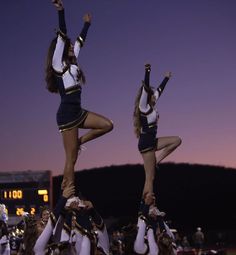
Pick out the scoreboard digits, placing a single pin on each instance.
(25, 191)
(22, 197)
(12, 194)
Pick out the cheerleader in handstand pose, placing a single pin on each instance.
(64, 76)
(145, 124)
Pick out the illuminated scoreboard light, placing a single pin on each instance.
(25, 191)
(12, 194)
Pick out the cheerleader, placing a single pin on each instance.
(145, 125)
(64, 76)
(53, 229)
(90, 231)
(153, 236)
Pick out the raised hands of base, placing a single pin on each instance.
(149, 198)
(68, 191)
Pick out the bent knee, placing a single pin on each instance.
(108, 126)
(178, 141)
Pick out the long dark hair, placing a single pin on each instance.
(31, 234)
(50, 76)
(136, 114)
(165, 244)
(50, 73)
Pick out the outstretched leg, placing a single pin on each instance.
(70, 141)
(167, 144)
(98, 126)
(149, 160)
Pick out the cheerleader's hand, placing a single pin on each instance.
(168, 74)
(88, 204)
(58, 4)
(87, 17)
(148, 67)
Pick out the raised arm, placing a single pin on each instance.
(44, 237)
(143, 102)
(61, 15)
(161, 87)
(83, 34)
(147, 75)
(100, 227)
(61, 37)
(140, 246)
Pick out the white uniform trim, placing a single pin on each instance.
(69, 77)
(144, 107)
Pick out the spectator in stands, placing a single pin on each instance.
(44, 216)
(185, 243)
(4, 239)
(198, 240)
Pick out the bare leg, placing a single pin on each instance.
(149, 160)
(167, 144)
(70, 141)
(98, 124)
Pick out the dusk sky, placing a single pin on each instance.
(194, 39)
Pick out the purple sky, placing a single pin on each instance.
(195, 39)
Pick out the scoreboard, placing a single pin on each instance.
(25, 191)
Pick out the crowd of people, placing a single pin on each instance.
(122, 240)
(75, 227)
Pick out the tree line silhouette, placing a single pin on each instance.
(191, 194)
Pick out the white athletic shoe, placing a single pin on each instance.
(75, 199)
(155, 211)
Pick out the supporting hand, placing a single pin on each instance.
(68, 191)
(88, 204)
(147, 67)
(149, 198)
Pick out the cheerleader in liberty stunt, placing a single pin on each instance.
(64, 76)
(145, 124)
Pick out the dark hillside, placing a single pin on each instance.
(191, 195)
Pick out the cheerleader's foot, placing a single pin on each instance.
(156, 212)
